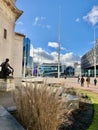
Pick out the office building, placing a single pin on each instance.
(87, 62)
(27, 59)
(50, 69)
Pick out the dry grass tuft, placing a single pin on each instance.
(39, 108)
(71, 91)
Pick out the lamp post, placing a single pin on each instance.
(24, 66)
(58, 60)
(94, 53)
(59, 44)
(24, 71)
(38, 64)
(33, 63)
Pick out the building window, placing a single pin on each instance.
(5, 33)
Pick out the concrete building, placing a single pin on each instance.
(11, 43)
(87, 62)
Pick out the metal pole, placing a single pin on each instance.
(59, 45)
(59, 60)
(33, 62)
(38, 63)
(24, 71)
(94, 55)
(24, 67)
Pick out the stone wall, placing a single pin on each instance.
(7, 84)
(6, 23)
(17, 57)
(11, 45)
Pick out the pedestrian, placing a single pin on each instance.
(78, 79)
(88, 81)
(95, 81)
(82, 81)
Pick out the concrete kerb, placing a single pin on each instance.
(7, 121)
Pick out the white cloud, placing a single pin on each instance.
(62, 48)
(19, 23)
(92, 16)
(36, 20)
(69, 58)
(77, 20)
(40, 22)
(54, 53)
(53, 44)
(42, 56)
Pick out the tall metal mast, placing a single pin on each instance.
(94, 54)
(59, 44)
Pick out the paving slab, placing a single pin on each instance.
(7, 121)
(6, 99)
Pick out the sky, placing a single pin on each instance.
(43, 20)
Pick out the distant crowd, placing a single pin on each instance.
(87, 80)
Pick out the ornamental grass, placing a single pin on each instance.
(39, 107)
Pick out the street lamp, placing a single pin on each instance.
(24, 71)
(59, 44)
(59, 60)
(24, 65)
(33, 62)
(94, 53)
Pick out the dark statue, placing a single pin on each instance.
(6, 69)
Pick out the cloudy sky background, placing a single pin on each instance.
(41, 56)
(40, 22)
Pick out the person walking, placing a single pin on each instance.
(88, 81)
(82, 81)
(78, 79)
(95, 81)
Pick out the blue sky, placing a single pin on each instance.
(77, 20)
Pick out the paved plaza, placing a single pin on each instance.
(73, 82)
(6, 98)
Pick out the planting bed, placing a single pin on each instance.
(79, 119)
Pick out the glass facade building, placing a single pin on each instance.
(87, 62)
(27, 59)
(50, 69)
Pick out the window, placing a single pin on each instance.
(5, 33)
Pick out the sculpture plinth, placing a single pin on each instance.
(7, 84)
